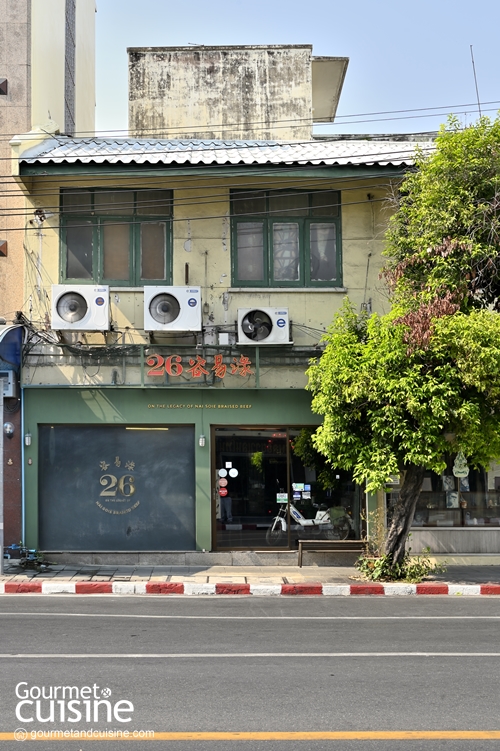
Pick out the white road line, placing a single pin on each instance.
(35, 614)
(235, 655)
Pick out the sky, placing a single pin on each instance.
(402, 56)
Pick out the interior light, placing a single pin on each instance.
(146, 428)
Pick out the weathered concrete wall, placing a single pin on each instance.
(221, 92)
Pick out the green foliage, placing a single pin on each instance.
(305, 449)
(411, 569)
(256, 460)
(444, 238)
(384, 407)
(390, 387)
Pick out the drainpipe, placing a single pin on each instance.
(23, 471)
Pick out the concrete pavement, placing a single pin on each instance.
(262, 580)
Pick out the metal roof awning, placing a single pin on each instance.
(186, 153)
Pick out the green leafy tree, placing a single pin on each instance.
(386, 409)
(443, 242)
(391, 387)
(304, 448)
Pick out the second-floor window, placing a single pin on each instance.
(286, 238)
(120, 237)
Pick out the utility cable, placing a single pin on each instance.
(266, 125)
(102, 212)
(202, 218)
(61, 183)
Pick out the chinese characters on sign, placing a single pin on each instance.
(172, 366)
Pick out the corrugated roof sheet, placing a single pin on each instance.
(145, 151)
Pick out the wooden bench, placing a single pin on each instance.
(330, 546)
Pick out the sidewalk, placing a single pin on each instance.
(237, 580)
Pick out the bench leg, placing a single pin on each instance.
(300, 555)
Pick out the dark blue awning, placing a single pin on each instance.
(11, 339)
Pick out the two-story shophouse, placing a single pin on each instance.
(186, 276)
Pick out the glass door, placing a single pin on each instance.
(250, 479)
(257, 476)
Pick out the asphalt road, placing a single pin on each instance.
(247, 665)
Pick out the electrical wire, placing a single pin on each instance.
(263, 184)
(298, 164)
(210, 199)
(78, 209)
(275, 123)
(134, 177)
(173, 220)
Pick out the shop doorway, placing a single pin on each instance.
(255, 473)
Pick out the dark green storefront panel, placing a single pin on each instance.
(123, 406)
(116, 488)
(197, 408)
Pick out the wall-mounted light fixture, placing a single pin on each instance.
(27, 439)
(40, 215)
(202, 440)
(8, 429)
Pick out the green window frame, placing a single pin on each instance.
(286, 238)
(119, 237)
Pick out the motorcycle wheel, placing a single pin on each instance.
(274, 533)
(339, 531)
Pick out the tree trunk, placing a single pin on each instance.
(402, 513)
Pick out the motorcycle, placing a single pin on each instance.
(334, 523)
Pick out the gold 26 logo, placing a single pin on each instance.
(118, 487)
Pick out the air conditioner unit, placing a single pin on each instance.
(172, 309)
(258, 326)
(78, 307)
(9, 383)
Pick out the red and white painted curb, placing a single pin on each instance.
(51, 587)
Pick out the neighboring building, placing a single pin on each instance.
(185, 287)
(47, 52)
(275, 91)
